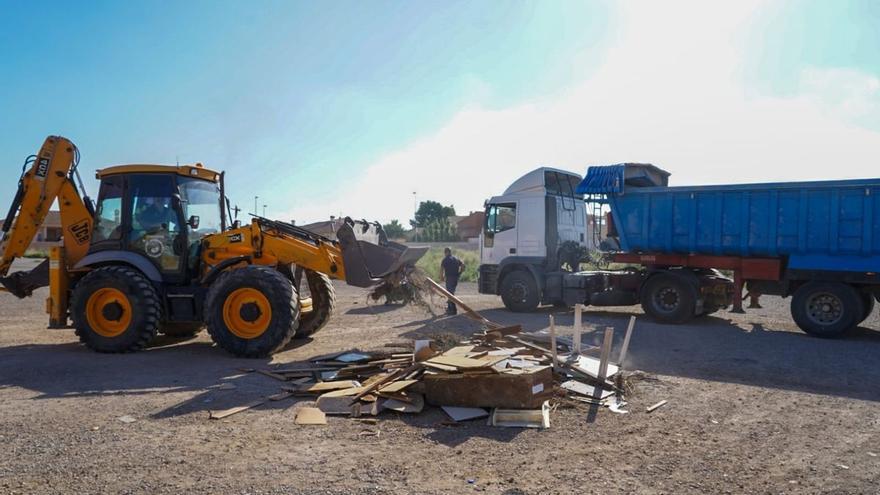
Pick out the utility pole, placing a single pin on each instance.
(264, 211)
(255, 205)
(415, 223)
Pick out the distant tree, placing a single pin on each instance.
(431, 211)
(393, 230)
(439, 231)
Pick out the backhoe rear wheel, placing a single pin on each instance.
(252, 311)
(115, 309)
(323, 304)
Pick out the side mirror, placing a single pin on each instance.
(193, 222)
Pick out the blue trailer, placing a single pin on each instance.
(818, 242)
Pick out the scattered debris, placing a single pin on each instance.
(236, 410)
(126, 419)
(617, 406)
(518, 418)
(501, 369)
(464, 413)
(310, 416)
(656, 406)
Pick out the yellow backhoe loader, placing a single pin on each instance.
(158, 253)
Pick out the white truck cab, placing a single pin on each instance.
(531, 230)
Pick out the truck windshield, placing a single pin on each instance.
(201, 198)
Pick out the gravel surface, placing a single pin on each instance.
(754, 406)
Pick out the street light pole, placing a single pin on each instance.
(255, 204)
(264, 211)
(415, 223)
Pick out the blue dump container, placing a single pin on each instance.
(824, 226)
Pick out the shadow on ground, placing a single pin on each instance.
(169, 365)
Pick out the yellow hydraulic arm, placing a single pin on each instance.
(46, 177)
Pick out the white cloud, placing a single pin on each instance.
(670, 92)
(843, 92)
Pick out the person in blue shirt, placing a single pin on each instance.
(451, 269)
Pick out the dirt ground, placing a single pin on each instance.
(754, 406)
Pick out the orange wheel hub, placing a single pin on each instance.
(247, 313)
(108, 312)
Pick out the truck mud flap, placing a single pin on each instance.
(369, 256)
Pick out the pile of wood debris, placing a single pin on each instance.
(501, 374)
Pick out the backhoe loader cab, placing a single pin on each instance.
(156, 254)
(159, 214)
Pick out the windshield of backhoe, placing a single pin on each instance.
(201, 198)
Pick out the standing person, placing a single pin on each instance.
(451, 269)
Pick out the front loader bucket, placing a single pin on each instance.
(368, 254)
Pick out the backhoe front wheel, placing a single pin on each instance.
(115, 309)
(323, 303)
(252, 311)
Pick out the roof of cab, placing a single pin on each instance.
(196, 170)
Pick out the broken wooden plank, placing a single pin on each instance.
(578, 327)
(235, 410)
(391, 376)
(328, 386)
(397, 386)
(606, 354)
(468, 311)
(623, 350)
(441, 367)
(553, 341)
(310, 416)
(462, 363)
(656, 406)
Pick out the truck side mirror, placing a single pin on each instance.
(193, 222)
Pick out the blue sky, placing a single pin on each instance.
(348, 107)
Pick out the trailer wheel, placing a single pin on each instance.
(668, 298)
(519, 292)
(115, 309)
(252, 311)
(827, 309)
(868, 301)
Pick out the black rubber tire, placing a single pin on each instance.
(669, 298)
(181, 329)
(282, 298)
(146, 308)
(520, 292)
(842, 299)
(868, 303)
(323, 304)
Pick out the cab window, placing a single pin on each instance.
(108, 213)
(155, 224)
(201, 199)
(501, 217)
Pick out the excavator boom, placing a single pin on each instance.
(46, 177)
